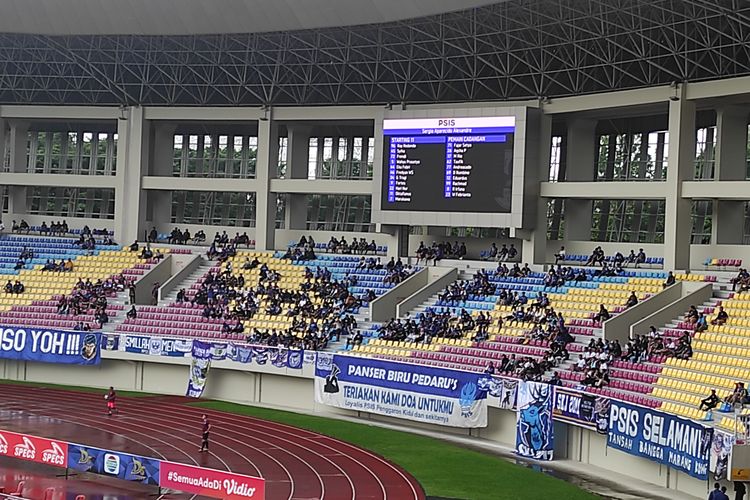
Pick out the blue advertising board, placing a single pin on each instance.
(583, 409)
(421, 393)
(670, 440)
(113, 464)
(50, 346)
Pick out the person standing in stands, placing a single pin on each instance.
(739, 490)
(206, 429)
(111, 398)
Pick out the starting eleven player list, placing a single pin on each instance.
(414, 161)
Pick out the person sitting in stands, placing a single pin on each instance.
(18, 288)
(701, 324)
(181, 295)
(19, 264)
(603, 314)
(146, 253)
(555, 379)
(9, 287)
(669, 281)
(68, 266)
(491, 254)
(132, 313)
(738, 396)
(44, 229)
(721, 318)
(134, 247)
(199, 237)
(640, 258)
(24, 226)
(560, 255)
(632, 300)
(503, 253)
(512, 252)
(691, 316)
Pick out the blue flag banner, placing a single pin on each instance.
(421, 393)
(203, 352)
(50, 346)
(534, 429)
(279, 357)
(113, 464)
(670, 440)
(583, 409)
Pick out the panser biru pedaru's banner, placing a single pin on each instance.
(414, 392)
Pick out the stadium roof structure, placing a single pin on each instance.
(101, 52)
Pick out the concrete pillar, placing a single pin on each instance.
(132, 160)
(19, 138)
(162, 151)
(534, 239)
(297, 151)
(731, 143)
(296, 211)
(265, 200)
(4, 135)
(580, 164)
(729, 222)
(681, 166)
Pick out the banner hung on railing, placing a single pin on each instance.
(668, 439)
(203, 353)
(582, 409)
(114, 464)
(501, 392)
(534, 428)
(50, 346)
(421, 393)
(156, 346)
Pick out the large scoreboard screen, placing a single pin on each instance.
(448, 164)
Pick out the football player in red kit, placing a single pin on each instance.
(111, 398)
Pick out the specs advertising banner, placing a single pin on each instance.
(33, 449)
(535, 432)
(50, 346)
(185, 478)
(211, 483)
(112, 463)
(420, 393)
(670, 440)
(582, 409)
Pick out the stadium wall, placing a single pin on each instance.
(288, 389)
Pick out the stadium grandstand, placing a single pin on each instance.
(519, 226)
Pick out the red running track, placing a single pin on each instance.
(296, 464)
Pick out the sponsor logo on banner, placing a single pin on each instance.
(50, 346)
(211, 483)
(679, 443)
(421, 393)
(32, 448)
(111, 464)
